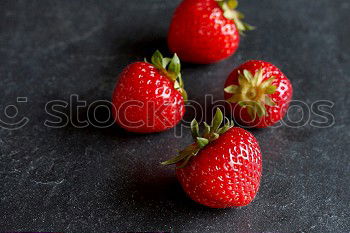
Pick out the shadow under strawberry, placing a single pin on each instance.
(156, 191)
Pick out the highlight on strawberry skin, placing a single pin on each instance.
(206, 31)
(150, 96)
(222, 167)
(258, 94)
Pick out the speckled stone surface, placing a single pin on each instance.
(88, 179)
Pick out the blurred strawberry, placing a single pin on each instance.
(206, 31)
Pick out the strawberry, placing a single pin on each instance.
(258, 93)
(150, 97)
(222, 168)
(206, 31)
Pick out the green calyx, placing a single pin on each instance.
(171, 68)
(210, 133)
(229, 7)
(252, 92)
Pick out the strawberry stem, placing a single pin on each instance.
(252, 92)
(171, 68)
(229, 7)
(211, 133)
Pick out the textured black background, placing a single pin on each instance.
(89, 179)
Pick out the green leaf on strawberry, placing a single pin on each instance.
(211, 133)
(229, 7)
(171, 68)
(252, 92)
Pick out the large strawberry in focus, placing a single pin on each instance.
(222, 168)
(206, 31)
(258, 94)
(150, 97)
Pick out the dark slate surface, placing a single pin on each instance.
(90, 179)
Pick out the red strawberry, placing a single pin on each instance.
(150, 97)
(222, 168)
(206, 31)
(259, 94)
